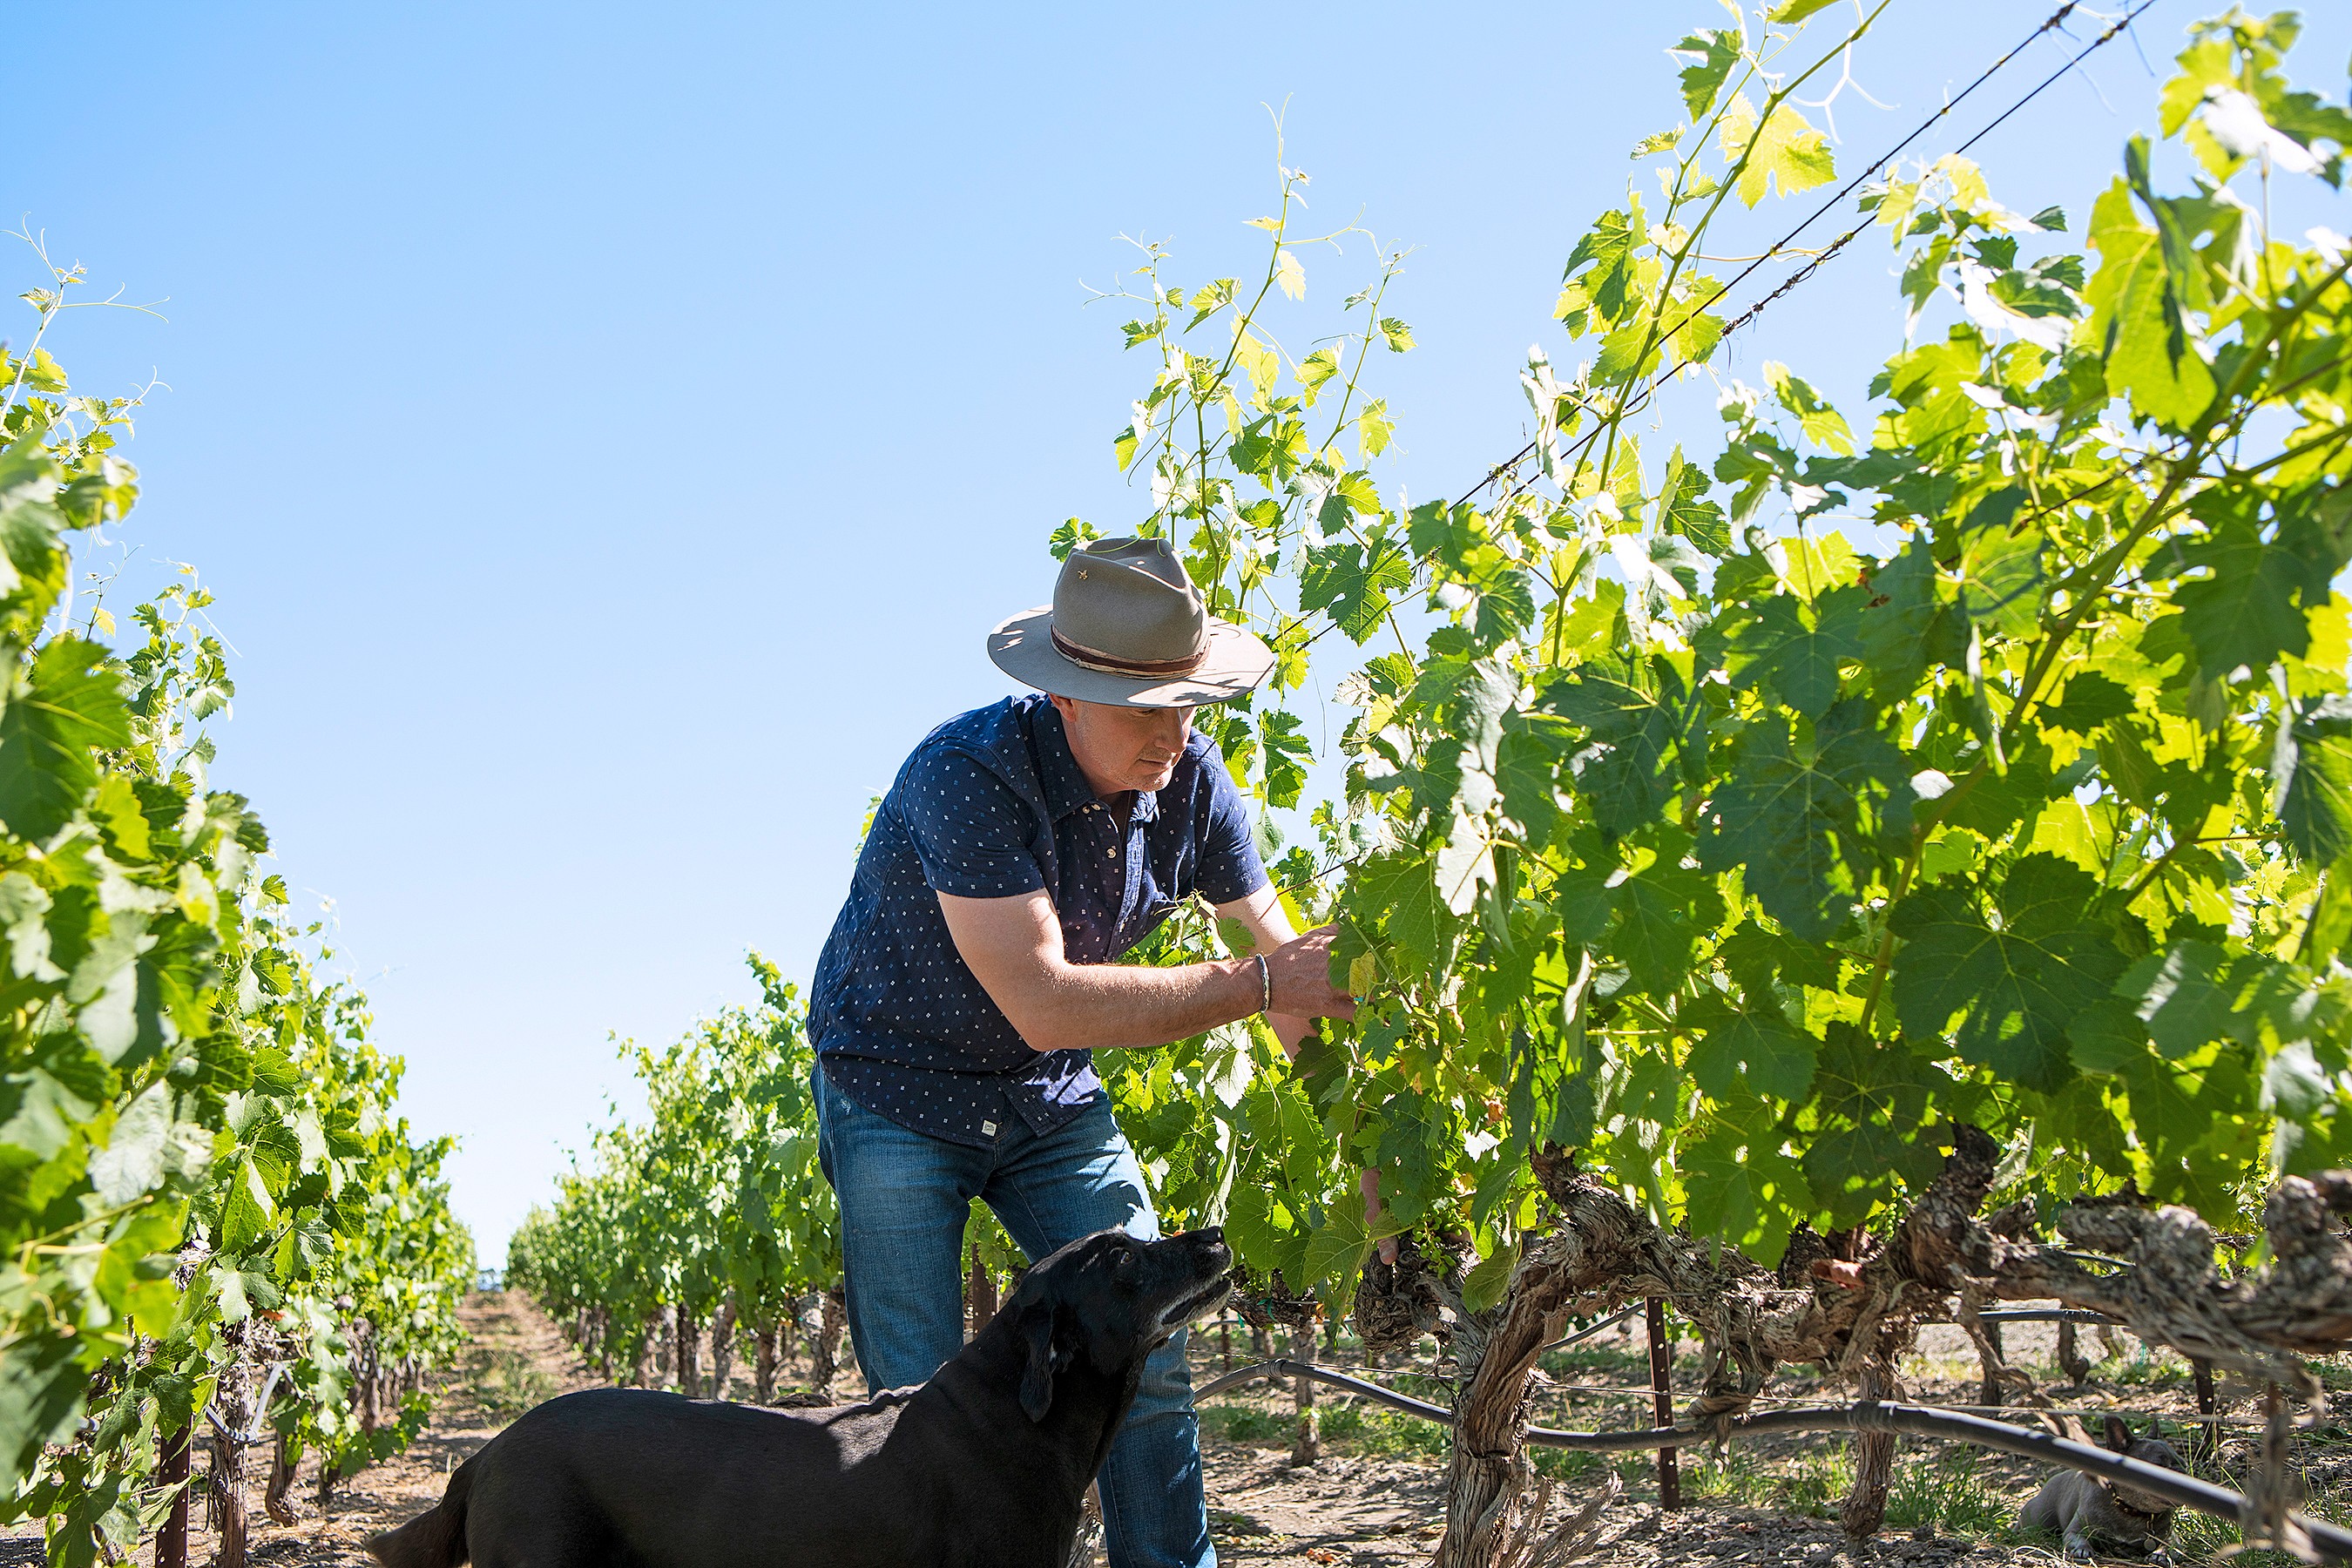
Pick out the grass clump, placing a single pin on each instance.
(1948, 1494)
(506, 1382)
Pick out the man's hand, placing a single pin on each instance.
(1301, 971)
(1267, 927)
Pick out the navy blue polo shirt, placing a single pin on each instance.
(993, 806)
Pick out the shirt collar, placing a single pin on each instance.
(1067, 789)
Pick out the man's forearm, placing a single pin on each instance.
(1135, 1006)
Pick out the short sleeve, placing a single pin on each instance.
(1230, 867)
(971, 832)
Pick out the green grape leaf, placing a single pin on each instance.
(2311, 774)
(41, 1391)
(1287, 754)
(1336, 1252)
(1785, 149)
(1483, 1286)
(133, 1160)
(1354, 583)
(2090, 700)
(68, 707)
(1822, 424)
(1717, 49)
(2000, 565)
(1683, 508)
(1795, 825)
(1655, 934)
(1796, 649)
(1762, 1047)
(38, 1114)
(2244, 612)
(2007, 993)
(247, 1210)
(1744, 1194)
(2136, 320)
(1873, 1096)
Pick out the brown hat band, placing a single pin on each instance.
(1111, 664)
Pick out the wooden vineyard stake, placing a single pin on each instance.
(2208, 1434)
(1661, 1365)
(172, 1541)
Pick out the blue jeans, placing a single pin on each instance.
(904, 1198)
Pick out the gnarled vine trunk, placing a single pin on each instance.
(689, 1352)
(274, 1500)
(225, 1498)
(1860, 1316)
(722, 1347)
(1306, 1448)
(825, 1343)
(979, 1295)
(1864, 1509)
(764, 1334)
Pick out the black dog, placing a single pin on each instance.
(983, 1467)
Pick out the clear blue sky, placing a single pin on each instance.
(611, 429)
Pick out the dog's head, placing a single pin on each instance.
(2148, 1451)
(1109, 1301)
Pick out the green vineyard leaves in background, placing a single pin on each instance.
(202, 1171)
(713, 1212)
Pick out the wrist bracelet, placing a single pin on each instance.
(1266, 984)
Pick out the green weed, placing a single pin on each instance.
(1819, 1481)
(1247, 1423)
(1369, 1429)
(507, 1382)
(1948, 1493)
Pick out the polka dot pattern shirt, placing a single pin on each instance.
(993, 806)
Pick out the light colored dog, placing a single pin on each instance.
(2090, 1513)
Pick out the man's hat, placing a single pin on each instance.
(1128, 627)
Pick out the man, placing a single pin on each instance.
(1023, 848)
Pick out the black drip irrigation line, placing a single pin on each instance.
(2332, 1543)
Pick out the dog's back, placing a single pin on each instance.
(590, 1466)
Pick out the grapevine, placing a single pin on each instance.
(207, 1174)
(1775, 856)
(710, 1218)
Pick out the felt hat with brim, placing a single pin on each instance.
(1127, 627)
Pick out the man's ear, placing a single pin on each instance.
(2119, 1435)
(1045, 1358)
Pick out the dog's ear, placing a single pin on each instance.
(2119, 1435)
(1048, 1356)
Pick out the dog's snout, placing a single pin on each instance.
(1214, 1234)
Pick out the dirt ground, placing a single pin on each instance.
(1374, 1496)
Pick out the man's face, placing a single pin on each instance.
(1125, 748)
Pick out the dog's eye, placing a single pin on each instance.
(1125, 1262)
